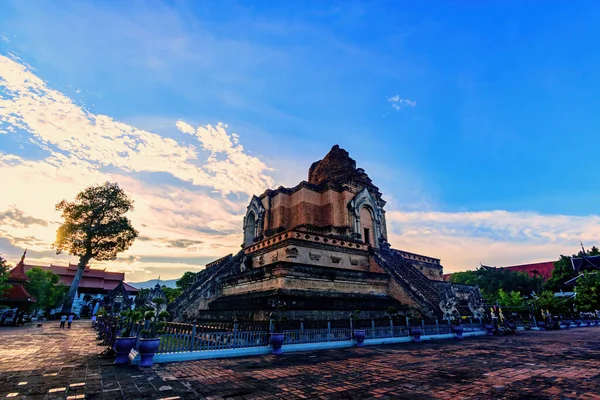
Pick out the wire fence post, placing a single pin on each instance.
(235, 331)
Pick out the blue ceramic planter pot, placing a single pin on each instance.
(489, 329)
(415, 332)
(148, 348)
(123, 346)
(277, 342)
(359, 335)
(458, 330)
(541, 325)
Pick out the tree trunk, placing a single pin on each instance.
(68, 303)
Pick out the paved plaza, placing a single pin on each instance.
(48, 363)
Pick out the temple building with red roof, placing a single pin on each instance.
(17, 295)
(96, 283)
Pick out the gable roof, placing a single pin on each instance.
(100, 279)
(543, 269)
(586, 263)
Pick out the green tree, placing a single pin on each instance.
(171, 293)
(186, 281)
(563, 271)
(588, 292)
(556, 305)
(492, 280)
(95, 227)
(4, 269)
(512, 299)
(45, 286)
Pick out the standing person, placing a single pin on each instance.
(94, 320)
(70, 321)
(63, 319)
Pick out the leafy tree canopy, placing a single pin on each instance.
(588, 292)
(171, 293)
(512, 299)
(556, 305)
(186, 281)
(492, 280)
(4, 269)
(94, 224)
(94, 227)
(45, 286)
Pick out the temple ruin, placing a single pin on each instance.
(320, 250)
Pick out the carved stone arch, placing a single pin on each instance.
(364, 199)
(253, 222)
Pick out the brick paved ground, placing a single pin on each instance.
(49, 363)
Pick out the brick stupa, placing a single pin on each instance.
(320, 249)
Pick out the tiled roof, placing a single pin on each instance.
(18, 294)
(543, 269)
(91, 279)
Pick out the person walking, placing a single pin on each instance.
(63, 319)
(69, 321)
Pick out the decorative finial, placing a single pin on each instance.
(22, 262)
(582, 249)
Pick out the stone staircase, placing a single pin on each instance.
(207, 280)
(411, 279)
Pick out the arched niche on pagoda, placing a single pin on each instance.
(366, 215)
(253, 222)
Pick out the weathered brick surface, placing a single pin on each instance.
(49, 363)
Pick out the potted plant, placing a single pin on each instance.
(541, 324)
(125, 342)
(359, 334)
(415, 329)
(150, 340)
(457, 329)
(277, 335)
(488, 326)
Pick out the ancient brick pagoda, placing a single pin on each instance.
(320, 249)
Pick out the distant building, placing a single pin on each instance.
(581, 264)
(17, 298)
(148, 299)
(541, 269)
(96, 283)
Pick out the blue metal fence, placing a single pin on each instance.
(179, 337)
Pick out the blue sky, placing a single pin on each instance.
(474, 118)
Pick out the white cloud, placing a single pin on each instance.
(464, 239)
(176, 221)
(398, 103)
(57, 123)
